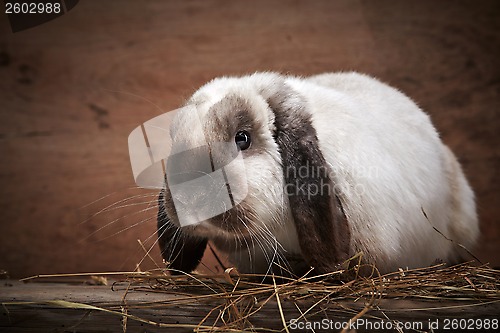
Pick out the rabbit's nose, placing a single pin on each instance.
(189, 165)
(202, 183)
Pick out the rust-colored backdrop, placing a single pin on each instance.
(72, 89)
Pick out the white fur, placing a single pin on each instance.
(386, 158)
(390, 164)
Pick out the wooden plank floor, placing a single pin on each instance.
(42, 316)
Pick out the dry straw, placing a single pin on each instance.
(236, 302)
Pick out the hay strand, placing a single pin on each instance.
(235, 300)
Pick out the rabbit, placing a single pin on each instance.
(335, 165)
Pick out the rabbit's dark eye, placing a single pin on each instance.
(243, 140)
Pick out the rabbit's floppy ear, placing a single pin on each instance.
(183, 252)
(321, 224)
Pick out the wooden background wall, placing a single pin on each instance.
(72, 89)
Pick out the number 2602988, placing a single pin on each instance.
(32, 8)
